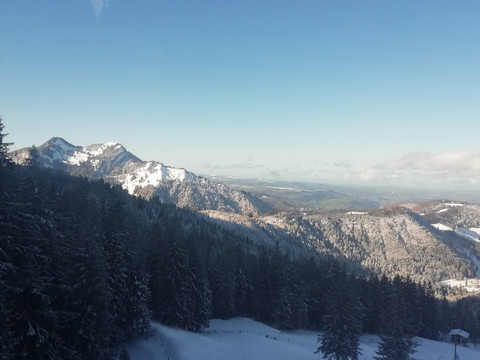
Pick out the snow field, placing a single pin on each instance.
(245, 339)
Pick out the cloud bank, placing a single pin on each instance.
(424, 168)
(458, 170)
(463, 161)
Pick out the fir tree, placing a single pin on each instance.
(395, 347)
(342, 321)
(4, 146)
(396, 342)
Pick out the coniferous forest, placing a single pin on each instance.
(85, 267)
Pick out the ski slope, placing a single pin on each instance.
(245, 339)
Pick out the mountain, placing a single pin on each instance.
(112, 162)
(391, 242)
(383, 241)
(323, 197)
(451, 214)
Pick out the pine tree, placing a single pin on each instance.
(291, 308)
(32, 328)
(396, 342)
(4, 146)
(395, 347)
(428, 311)
(91, 333)
(179, 297)
(342, 321)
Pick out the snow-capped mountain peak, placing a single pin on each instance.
(103, 157)
(56, 150)
(112, 162)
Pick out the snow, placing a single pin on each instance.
(63, 145)
(356, 213)
(470, 285)
(468, 233)
(454, 204)
(460, 332)
(97, 150)
(449, 205)
(77, 158)
(442, 227)
(152, 173)
(245, 339)
(89, 152)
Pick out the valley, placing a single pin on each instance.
(378, 230)
(158, 243)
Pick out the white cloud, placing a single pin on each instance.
(462, 161)
(228, 166)
(98, 6)
(439, 170)
(431, 169)
(448, 169)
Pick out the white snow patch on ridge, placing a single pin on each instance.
(63, 145)
(454, 204)
(471, 285)
(77, 158)
(442, 227)
(152, 173)
(89, 152)
(467, 233)
(97, 150)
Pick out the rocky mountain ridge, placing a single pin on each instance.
(112, 162)
(404, 239)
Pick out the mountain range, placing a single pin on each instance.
(112, 162)
(433, 241)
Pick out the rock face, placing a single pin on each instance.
(112, 162)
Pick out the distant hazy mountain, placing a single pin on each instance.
(112, 162)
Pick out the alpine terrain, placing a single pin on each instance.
(113, 163)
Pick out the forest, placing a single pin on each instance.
(85, 268)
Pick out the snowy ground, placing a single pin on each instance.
(245, 339)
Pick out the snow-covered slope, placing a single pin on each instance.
(112, 162)
(95, 161)
(241, 339)
(385, 242)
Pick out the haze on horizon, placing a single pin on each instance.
(369, 92)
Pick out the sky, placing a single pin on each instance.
(370, 92)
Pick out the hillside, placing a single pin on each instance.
(240, 338)
(383, 242)
(380, 241)
(450, 214)
(86, 267)
(112, 162)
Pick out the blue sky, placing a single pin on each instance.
(314, 90)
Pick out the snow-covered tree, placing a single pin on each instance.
(396, 342)
(395, 347)
(342, 320)
(4, 146)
